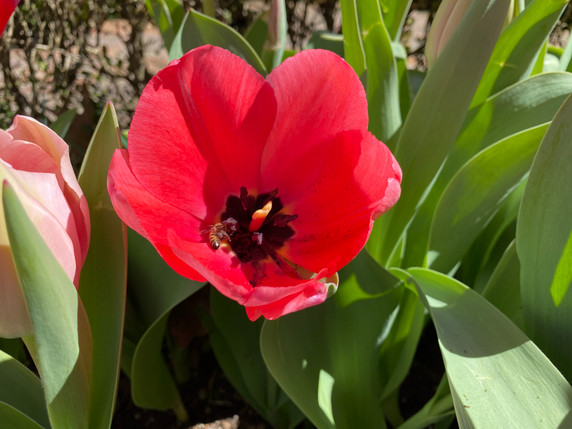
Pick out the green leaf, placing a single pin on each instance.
(154, 290)
(235, 341)
(503, 288)
(61, 342)
(326, 358)
(63, 123)
(476, 193)
(168, 15)
(525, 105)
(107, 249)
(437, 114)
(543, 243)
(518, 46)
(398, 348)
(353, 46)
(257, 33)
(14, 419)
(394, 14)
(498, 377)
(382, 81)
(273, 48)
(21, 389)
(198, 29)
(438, 408)
(325, 40)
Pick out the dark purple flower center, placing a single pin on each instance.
(253, 227)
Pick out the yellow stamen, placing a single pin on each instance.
(259, 216)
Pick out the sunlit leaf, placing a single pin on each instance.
(61, 342)
(100, 285)
(543, 239)
(326, 358)
(475, 194)
(498, 377)
(394, 14)
(524, 105)
(168, 15)
(198, 29)
(437, 113)
(518, 46)
(353, 46)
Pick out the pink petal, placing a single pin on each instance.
(199, 130)
(27, 131)
(47, 209)
(14, 319)
(318, 96)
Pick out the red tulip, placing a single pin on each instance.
(265, 188)
(6, 9)
(35, 162)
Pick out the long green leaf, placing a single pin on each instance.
(14, 419)
(544, 243)
(382, 82)
(326, 357)
(498, 377)
(394, 14)
(21, 389)
(168, 16)
(154, 290)
(103, 277)
(437, 114)
(353, 46)
(503, 288)
(524, 105)
(61, 340)
(518, 46)
(476, 193)
(198, 29)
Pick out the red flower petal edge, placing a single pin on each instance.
(263, 187)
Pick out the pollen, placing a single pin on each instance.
(259, 216)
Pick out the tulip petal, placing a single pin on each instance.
(47, 209)
(14, 319)
(6, 9)
(199, 130)
(27, 131)
(149, 216)
(318, 96)
(232, 279)
(357, 178)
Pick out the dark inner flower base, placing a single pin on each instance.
(254, 244)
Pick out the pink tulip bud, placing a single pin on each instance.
(35, 161)
(447, 19)
(6, 9)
